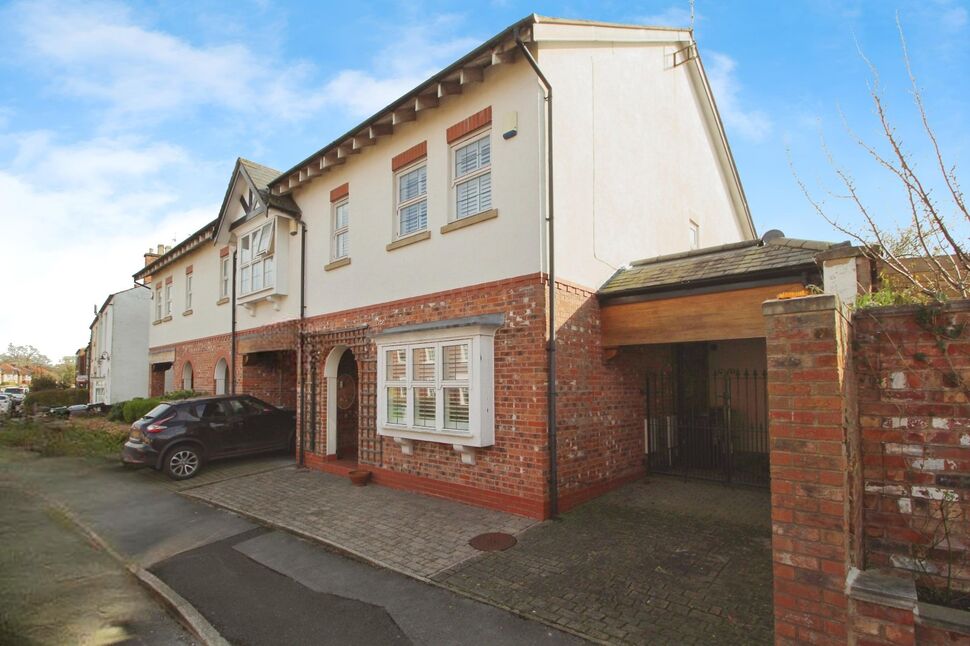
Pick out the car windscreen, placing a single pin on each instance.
(14, 391)
(158, 411)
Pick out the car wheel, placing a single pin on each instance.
(183, 462)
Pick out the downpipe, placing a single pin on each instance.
(551, 394)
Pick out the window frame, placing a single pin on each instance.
(225, 275)
(484, 133)
(169, 285)
(257, 256)
(188, 292)
(335, 232)
(158, 301)
(693, 235)
(480, 384)
(399, 206)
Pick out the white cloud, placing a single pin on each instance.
(76, 221)
(749, 123)
(412, 54)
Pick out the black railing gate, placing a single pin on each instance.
(708, 424)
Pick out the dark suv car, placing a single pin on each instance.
(179, 436)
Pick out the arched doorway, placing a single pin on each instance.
(222, 373)
(342, 406)
(187, 376)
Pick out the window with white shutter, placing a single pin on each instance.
(412, 200)
(472, 176)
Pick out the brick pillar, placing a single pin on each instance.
(812, 427)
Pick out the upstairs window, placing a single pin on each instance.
(341, 230)
(225, 275)
(188, 292)
(412, 200)
(168, 297)
(158, 302)
(257, 269)
(473, 176)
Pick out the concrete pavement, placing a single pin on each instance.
(253, 586)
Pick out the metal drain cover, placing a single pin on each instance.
(492, 542)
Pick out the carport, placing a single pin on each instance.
(693, 321)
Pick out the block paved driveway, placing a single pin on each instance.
(662, 561)
(659, 561)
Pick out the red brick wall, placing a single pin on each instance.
(810, 432)
(600, 403)
(915, 421)
(203, 354)
(514, 469)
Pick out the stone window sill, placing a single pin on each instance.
(411, 239)
(164, 320)
(470, 220)
(223, 300)
(187, 313)
(337, 264)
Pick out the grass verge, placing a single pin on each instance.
(62, 438)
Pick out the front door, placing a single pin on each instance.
(347, 409)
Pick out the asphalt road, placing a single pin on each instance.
(258, 586)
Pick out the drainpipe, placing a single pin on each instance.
(232, 337)
(551, 343)
(301, 342)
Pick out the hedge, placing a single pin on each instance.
(136, 408)
(52, 398)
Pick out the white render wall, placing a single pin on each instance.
(121, 332)
(635, 156)
(207, 318)
(504, 247)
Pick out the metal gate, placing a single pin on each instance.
(708, 424)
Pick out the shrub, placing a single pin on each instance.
(117, 412)
(43, 382)
(52, 398)
(136, 408)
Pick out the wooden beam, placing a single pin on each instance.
(346, 149)
(313, 170)
(332, 158)
(381, 130)
(734, 314)
(402, 115)
(471, 75)
(363, 141)
(294, 180)
(503, 58)
(425, 101)
(446, 88)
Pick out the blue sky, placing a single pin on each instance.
(120, 122)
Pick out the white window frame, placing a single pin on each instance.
(339, 231)
(480, 383)
(168, 297)
(225, 274)
(188, 292)
(693, 235)
(456, 180)
(257, 258)
(422, 197)
(158, 302)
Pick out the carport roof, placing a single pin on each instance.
(730, 263)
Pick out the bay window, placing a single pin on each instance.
(257, 269)
(437, 385)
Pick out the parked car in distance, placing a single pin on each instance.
(179, 437)
(17, 393)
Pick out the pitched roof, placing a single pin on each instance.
(188, 244)
(728, 263)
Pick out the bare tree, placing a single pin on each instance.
(928, 255)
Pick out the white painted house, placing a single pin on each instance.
(396, 286)
(119, 347)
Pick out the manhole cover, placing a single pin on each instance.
(492, 542)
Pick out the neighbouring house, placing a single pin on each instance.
(118, 355)
(10, 374)
(81, 366)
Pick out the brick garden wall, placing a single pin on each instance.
(915, 420)
(203, 354)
